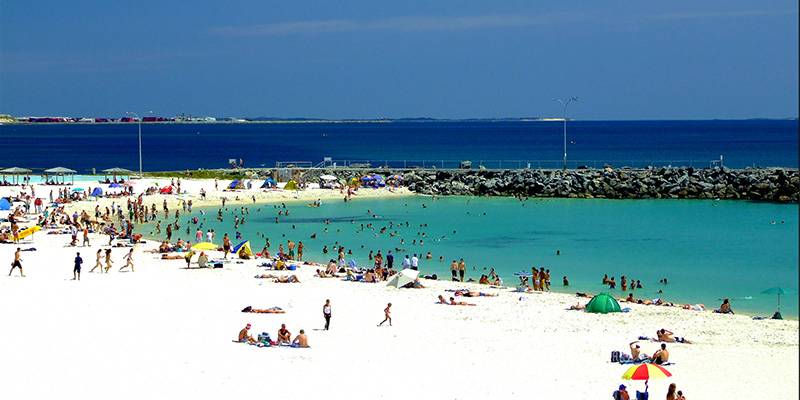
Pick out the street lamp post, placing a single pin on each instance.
(140, 137)
(565, 126)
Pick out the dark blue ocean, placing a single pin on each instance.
(501, 144)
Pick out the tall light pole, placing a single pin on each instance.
(565, 126)
(140, 138)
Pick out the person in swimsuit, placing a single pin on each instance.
(98, 263)
(16, 263)
(76, 271)
(388, 317)
(244, 335)
(284, 336)
(660, 356)
(453, 302)
(108, 260)
(128, 257)
(667, 336)
(226, 246)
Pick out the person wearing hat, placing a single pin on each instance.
(301, 339)
(244, 335)
(622, 393)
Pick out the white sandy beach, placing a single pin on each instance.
(166, 331)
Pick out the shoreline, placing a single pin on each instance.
(243, 198)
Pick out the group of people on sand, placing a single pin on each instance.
(284, 337)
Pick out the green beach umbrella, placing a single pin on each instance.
(603, 303)
(779, 291)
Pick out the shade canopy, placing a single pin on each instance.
(16, 170)
(205, 246)
(117, 170)
(603, 303)
(60, 170)
(403, 277)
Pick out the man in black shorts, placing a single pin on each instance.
(76, 272)
(16, 263)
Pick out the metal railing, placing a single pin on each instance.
(520, 164)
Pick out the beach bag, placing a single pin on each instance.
(615, 356)
(247, 309)
(218, 265)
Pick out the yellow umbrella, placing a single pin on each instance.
(205, 246)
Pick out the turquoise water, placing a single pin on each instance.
(706, 249)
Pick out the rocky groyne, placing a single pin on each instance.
(759, 184)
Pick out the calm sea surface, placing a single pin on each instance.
(165, 147)
(707, 250)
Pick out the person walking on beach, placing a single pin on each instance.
(326, 312)
(76, 271)
(109, 261)
(16, 263)
(99, 256)
(86, 235)
(388, 317)
(226, 246)
(128, 257)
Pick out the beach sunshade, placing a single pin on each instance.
(779, 291)
(60, 170)
(77, 190)
(643, 372)
(603, 303)
(5, 204)
(403, 278)
(291, 185)
(366, 178)
(238, 246)
(243, 248)
(97, 192)
(269, 183)
(205, 246)
(117, 170)
(16, 170)
(396, 178)
(114, 185)
(377, 177)
(328, 177)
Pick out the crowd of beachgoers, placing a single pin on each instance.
(71, 224)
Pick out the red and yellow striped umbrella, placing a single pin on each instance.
(643, 372)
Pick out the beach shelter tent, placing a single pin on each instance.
(603, 303)
(62, 172)
(96, 192)
(115, 171)
(353, 182)
(237, 184)
(403, 278)
(5, 204)
(291, 185)
(243, 248)
(269, 183)
(15, 172)
(166, 190)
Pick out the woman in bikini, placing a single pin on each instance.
(128, 257)
(99, 263)
(108, 260)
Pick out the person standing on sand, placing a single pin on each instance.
(326, 312)
(226, 245)
(76, 272)
(462, 269)
(86, 235)
(454, 270)
(16, 263)
(128, 257)
(388, 317)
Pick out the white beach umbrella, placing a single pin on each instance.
(328, 178)
(403, 278)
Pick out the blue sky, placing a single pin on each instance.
(374, 59)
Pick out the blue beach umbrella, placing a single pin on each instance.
(366, 178)
(239, 246)
(114, 185)
(77, 190)
(377, 177)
